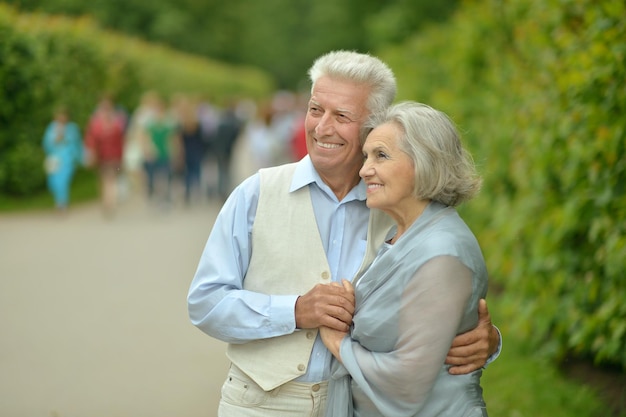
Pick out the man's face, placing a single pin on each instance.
(336, 112)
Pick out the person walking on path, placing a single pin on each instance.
(104, 140)
(158, 148)
(63, 148)
(190, 132)
(133, 155)
(228, 129)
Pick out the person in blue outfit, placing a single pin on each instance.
(62, 145)
(283, 236)
(425, 283)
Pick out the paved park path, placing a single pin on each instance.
(93, 314)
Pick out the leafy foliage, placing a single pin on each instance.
(538, 88)
(46, 62)
(279, 36)
(36, 77)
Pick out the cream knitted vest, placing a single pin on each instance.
(287, 258)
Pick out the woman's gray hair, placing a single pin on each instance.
(361, 69)
(444, 169)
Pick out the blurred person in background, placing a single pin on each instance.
(189, 130)
(104, 141)
(298, 136)
(208, 114)
(158, 146)
(261, 139)
(298, 141)
(63, 148)
(136, 134)
(283, 123)
(229, 127)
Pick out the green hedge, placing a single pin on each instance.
(46, 61)
(538, 90)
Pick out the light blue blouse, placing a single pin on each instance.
(410, 303)
(68, 152)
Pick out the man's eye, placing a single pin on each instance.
(342, 118)
(381, 155)
(315, 111)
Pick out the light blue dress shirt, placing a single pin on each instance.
(221, 308)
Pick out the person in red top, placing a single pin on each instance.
(298, 140)
(104, 141)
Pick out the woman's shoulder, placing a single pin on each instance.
(446, 234)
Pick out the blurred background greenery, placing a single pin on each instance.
(538, 88)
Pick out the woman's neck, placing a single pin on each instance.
(405, 219)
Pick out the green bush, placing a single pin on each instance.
(23, 169)
(47, 61)
(40, 71)
(16, 144)
(538, 90)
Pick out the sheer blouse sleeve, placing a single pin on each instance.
(431, 308)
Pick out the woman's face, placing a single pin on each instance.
(388, 172)
(61, 117)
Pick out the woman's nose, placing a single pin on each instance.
(365, 170)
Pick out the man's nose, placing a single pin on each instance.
(325, 125)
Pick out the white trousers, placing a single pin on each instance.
(242, 397)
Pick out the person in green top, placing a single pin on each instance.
(160, 132)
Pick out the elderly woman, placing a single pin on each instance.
(63, 147)
(423, 287)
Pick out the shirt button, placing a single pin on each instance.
(325, 275)
(315, 388)
(309, 335)
(301, 367)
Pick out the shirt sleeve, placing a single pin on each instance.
(217, 303)
(495, 354)
(431, 308)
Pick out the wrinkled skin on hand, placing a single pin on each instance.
(326, 305)
(471, 350)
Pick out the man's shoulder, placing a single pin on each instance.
(284, 169)
(277, 174)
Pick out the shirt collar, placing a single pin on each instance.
(306, 174)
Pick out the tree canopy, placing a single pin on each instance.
(282, 37)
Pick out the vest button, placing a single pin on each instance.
(301, 367)
(325, 275)
(315, 388)
(309, 335)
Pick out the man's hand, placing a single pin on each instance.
(326, 305)
(471, 350)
